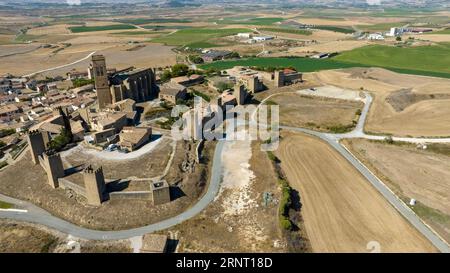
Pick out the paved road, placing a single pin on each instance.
(398, 204)
(37, 215)
(40, 216)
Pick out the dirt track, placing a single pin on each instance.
(342, 212)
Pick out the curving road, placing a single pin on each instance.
(37, 215)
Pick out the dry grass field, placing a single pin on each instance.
(341, 210)
(114, 44)
(332, 46)
(18, 237)
(429, 116)
(428, 181)
(117, 55)
(315, 112)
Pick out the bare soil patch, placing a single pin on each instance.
(252, 228)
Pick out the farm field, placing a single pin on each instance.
(404, 105)
(444, 31)
(118, 55)
(402, 59)
(336, 29)
(332, 46)
(301, 64)
(321, 114)
(341, 210)
(428, 181)
(80, 29)
(187, 37)
(260, 21)
(286, 30)
(144, 21)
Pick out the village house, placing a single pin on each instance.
(171, 92)
(132, 138)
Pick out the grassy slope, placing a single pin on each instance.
(186, 37)
(4, 205)
(427, 59)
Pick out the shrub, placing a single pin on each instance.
(271, 156)
(222, 86)
(60, 141)
(82, 82)
(6, 132)
(202, 95)
(3, 164)
(286, 224)
(195, 59)
(389, 140)
(179, 70)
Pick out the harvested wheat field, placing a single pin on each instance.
(425, 101)
(342, 211)
(332, 46)
(428, 181)
(315, 112)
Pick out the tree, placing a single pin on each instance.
(389, 140)
(398, 39)
(222, 86)
(195, 59)
(82, 82)
(233, 55)
(60, 141)
(179, 70)
(166, 75)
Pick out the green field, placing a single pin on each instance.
(401, 60)
(424, 60)
(381, 26)
(100, 28)
(262, 21)
(143, 21)
(444, 31)
(286, 30)
(139, 32)
(4, 205)
(158, 27)
(193, 37)
(301, 64)
(336, 29)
